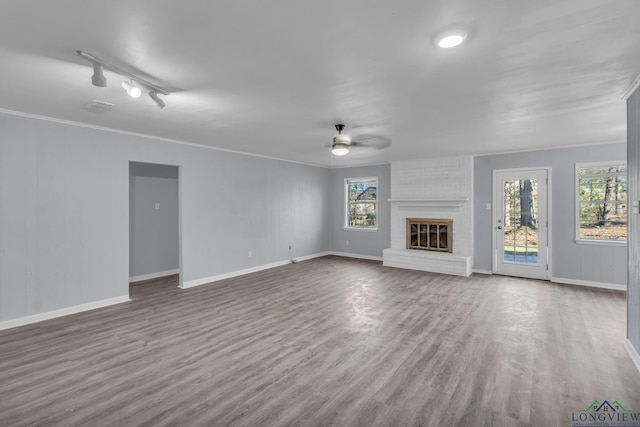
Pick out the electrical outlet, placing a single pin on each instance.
(157, 206)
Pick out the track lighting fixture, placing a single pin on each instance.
(134, 86)
(132, 90)
(159, 102)
(98, 78)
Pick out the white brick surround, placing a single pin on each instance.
(432, 188)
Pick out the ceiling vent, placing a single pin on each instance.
(99, 107)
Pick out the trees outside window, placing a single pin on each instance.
(361, 203)
(528, 216)
(520, 232)
(601, 201)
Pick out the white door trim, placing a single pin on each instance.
(496, 200)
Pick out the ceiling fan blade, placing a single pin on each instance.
(371, 141)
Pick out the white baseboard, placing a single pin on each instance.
(479, 271)
(590, 284)
(633, 353)
(153, 275)
(312, 256)
(21, 321)
(349, 255)
(206, 280)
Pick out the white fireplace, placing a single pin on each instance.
(432, 188)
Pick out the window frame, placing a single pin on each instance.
(595, 241)
(348, 181)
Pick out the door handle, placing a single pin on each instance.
(499, 227)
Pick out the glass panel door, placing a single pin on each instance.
(520, 222)
(521, 212)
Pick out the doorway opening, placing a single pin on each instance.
(154, 224)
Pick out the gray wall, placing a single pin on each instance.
(64, 212)
(370, 243)
(633, 290)
(153, 233)
(594, 263)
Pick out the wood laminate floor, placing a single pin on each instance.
(330, 341)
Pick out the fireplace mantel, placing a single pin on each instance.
(451, 204)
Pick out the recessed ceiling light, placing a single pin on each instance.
(451, 38)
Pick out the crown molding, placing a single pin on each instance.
(631, 89)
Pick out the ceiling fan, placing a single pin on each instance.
(342, 142)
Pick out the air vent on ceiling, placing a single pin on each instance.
(96, 106)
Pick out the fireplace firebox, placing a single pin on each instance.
(430, 234)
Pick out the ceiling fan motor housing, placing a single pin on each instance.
(341, 139)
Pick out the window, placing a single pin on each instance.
(361, 203)
(601, 202)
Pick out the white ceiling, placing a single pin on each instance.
(272, 77)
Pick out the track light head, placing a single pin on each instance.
(98, 78)
(159, 102)
(133, 91)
